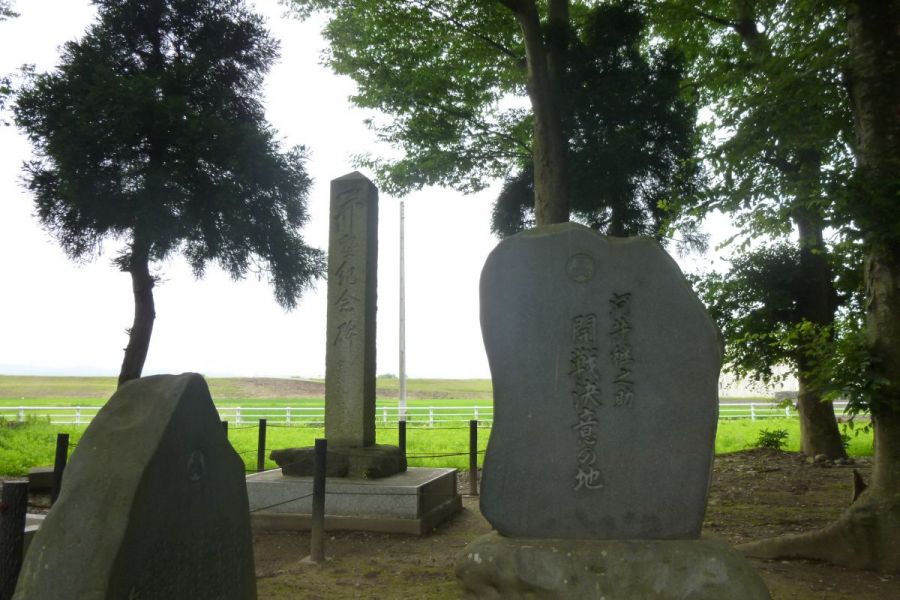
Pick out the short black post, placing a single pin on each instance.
(225, 427)
(401, 437)
(317, 539)
(59, 464)
(473, 457)
(261, 447)
(12, 535)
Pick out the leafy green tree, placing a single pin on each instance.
(6, 12)
(758, 308)
(448, 73)
(151, 132)
(630, 129)
(866, 534)
(771, 73)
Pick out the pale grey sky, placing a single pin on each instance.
(58, 317)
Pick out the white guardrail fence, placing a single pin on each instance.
(416, 416)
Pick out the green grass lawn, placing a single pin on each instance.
(33, 443)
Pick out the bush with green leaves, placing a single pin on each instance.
(775, 439)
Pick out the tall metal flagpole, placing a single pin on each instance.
(402, 403)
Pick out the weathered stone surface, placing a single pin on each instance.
(605, 368)
(352, 272)
(371, 462)
(153, 505)
(493, 566)
(301, 462)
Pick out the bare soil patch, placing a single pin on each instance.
(754, 494)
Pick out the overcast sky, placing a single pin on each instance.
(58, 317)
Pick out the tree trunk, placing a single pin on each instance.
(551, 202)
(866, 535)
(883, 328)
(144, 313)
(819, 432)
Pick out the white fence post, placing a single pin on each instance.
(287, 415)
(476, 413)
(384, 415)
(787, 411)
(752, 411)
(431, 416)
(22, 414)
(78, 415)
(237, 416)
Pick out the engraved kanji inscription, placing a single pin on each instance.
(345, 210)
(586, 399)
(621, 352)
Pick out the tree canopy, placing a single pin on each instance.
(6, 12)
(630, 127)
(550, 96)
(771, 75)
(151, 131)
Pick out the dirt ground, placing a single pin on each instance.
(755, 494)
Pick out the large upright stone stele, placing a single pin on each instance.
(350, 342)
(153, 505)
(352, 272)
(605, 368)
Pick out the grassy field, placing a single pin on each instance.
(32, 444)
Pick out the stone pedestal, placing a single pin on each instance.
(370, 462)
(414, 501)
(494, 566)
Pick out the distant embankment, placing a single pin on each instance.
(225, 388)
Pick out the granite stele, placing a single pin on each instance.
(605, 369)
(369, 485)
(153, 505)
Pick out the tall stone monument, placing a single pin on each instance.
(368, 487)
(605, 369)
(352, 273)
(153, 505)
(350, 337)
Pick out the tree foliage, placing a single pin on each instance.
(773, 75)
(454, 77)
(151, 131)
(755, 305)
(6, 12)
(439, 69)
(629, 125)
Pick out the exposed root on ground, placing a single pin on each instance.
(864, 537)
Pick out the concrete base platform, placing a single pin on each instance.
(413, 502)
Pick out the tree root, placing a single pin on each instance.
(864, 537)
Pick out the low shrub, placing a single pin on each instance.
(775, 439)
